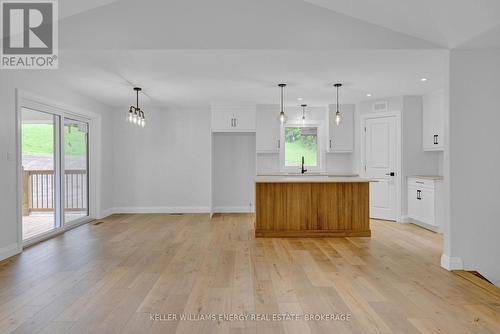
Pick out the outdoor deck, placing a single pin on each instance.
(41, 222)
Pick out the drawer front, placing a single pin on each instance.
(421, 183)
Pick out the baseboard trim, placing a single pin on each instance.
(233, 209)
(106, 213)
(451, 262)
(404, 220)
(154, 209)
(10, 250)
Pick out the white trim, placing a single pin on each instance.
(106, 213)
(320, 146)
(29, 100)
(162, 209)
(234, 209)
(404, 220)
(10, 250)
(451, 263)
(399, 152)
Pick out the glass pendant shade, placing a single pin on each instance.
(282, 116)
(338, 118)
(338, 114)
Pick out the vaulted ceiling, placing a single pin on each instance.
(279, 24)
(447, 23)
(200, 51)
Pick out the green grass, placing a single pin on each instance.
(295, 150)
(38, 139)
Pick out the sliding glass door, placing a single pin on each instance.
(55, 177)
(76, 184)
(40, 172)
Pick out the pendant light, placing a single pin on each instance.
(303, 112)
(338, 115)
(282, 116)
(135, 114)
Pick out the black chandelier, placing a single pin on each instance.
(135, 114)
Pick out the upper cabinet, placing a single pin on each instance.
(233, 117)
(267, 129)
(433, 121)
(341, 137)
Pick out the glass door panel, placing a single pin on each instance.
(39, 142)
(75, 170)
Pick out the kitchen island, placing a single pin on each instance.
(312, 206)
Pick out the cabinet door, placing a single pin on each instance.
(413, 203)
(427, 207)
(244, 121)
(222, 121)
(433, 121)
(267, 129)
(341, 137)
(233, 117)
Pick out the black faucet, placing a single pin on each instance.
(303, 170)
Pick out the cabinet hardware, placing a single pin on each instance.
(330, 144)
(279, 143)
(232, 122)
(419, 182)
(390, 174)
(436, 140)
(419, 193)
(235, 122)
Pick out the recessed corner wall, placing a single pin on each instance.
(475, 160)
(166, 165)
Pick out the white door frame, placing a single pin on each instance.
(398, 177)
(26, 99)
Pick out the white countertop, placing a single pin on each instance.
(427, 177)
(307, 174)
(308, 179)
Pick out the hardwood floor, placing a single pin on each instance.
(111, 277)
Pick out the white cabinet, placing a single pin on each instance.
(341, 137)
(267, 129)
(433, 121)
(425, 202)
(233, 118)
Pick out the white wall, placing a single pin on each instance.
(234, 172)
(165, 166)
(38, 83)
(475, 160)
(334, 163)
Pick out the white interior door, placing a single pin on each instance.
(380, 164)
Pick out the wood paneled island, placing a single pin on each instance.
(312, 206)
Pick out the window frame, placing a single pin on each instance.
(320, 146)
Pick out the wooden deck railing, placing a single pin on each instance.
(38, 192)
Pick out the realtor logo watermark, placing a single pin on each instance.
(29, 32)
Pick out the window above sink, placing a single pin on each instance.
(301, 139)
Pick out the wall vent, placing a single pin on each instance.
(380, 106)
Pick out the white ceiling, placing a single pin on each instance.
(448, 23)
(225, 24)
(69, 8)
(172, 77)
(199, 51)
